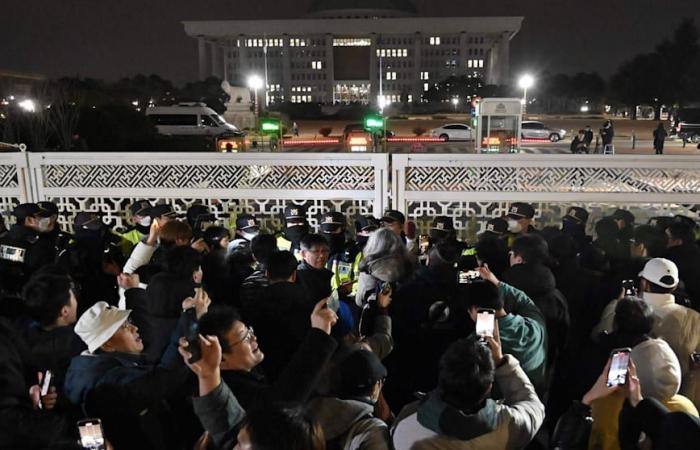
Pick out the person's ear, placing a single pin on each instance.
(65, 310)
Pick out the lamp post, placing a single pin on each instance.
(526, 81)
(455, 102)
(255, 83)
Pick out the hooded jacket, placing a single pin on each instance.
(659, 375)
(350, 423)
(511, 424)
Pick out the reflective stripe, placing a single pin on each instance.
(469, 251)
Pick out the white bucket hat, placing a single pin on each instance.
(99, 323)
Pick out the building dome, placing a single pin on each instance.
(361, 8)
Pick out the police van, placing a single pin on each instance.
(189, 119)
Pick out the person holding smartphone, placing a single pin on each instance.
(448, 415)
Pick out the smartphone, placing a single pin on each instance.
(424, 243)
(192, 335)
(469, 276)
(385, 287)
(46, 383)
(14, 254)
(333, 301)
(485, 322)
(629, 287)
(617, 375)
(91, 436)
(695, 357)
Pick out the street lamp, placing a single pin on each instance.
(455, 102)
(27, 105)
(255, 83)
(525, 82)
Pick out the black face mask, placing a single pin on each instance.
(573, 229)
(362, 240)
(143, 230)
(336, 241)
(295, 233)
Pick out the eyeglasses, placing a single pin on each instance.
(249, 334)
(127, 324)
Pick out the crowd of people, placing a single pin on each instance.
(183, 332)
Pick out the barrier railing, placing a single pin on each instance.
(14, 181)
(257, 183)
(469, 188)
(473, 188)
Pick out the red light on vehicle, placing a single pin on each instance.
(291, 142)
(415, 139)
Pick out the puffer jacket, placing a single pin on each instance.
(390, 268)
(350, 423)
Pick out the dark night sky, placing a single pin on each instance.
(112, 39)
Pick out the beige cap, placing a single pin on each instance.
(99, 323)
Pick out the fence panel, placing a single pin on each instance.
(14, 182)
(256, 183)
(473, 188)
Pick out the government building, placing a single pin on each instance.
(345, 51)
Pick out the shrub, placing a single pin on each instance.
(419, 131)
(325, 131)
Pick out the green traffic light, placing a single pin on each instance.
(374, 122)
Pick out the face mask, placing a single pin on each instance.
(295, 233)
(44, 225)
(514, 226)
(336, 242)
(248, 236)
(145, 221)
(362, 240)
(573, 229)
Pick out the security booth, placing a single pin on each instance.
(271, 127)
(233, 142)
(498, 122)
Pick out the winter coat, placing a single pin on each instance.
(296, 382)
(427, 314)
(20, 425)
(350, 424)
(316, 282)
(390, 268)
(538, 282)
(687, 258)
(217, 280)
(220, 414)
(38, 253)
(511, 424)
(163, 306)
(659, 138)
(280, 317)
(523, 333)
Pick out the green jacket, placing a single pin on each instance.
(523, 333)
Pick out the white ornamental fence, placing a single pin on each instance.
(469, 188)
(474, 188)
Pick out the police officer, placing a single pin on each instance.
(22, 252)
(94, 260)
(58, 238)
(200, 218)
(342, 252)
(442, 229)
(296, 226)
(246, 229)
(140, 226)
(520, 216)
(3, 228)
(492, 246)
(574, 224)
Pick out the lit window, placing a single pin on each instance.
(352, 42)
(410, 98)
(391, 75)
(316, 65)
(481, 63)
(424, 76)
(435, 40)
(405, 53)
(426, 86)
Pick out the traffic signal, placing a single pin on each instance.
(270, 126)
(374, 123)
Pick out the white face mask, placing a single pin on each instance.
(145, 221)
(514, 226)
(44, 225)
(248, 236)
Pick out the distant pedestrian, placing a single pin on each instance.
(659, 137)
(295, 129)
(607, 133)
(588, 135)
(578, 144)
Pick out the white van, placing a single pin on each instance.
(189, 119)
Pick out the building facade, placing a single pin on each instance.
(355, 51)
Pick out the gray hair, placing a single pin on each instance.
(382, 242)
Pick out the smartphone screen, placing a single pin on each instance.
(617, 375)
(91, 436)
(485, 322)
(469, 276)
(629, 287)
(46, 383)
